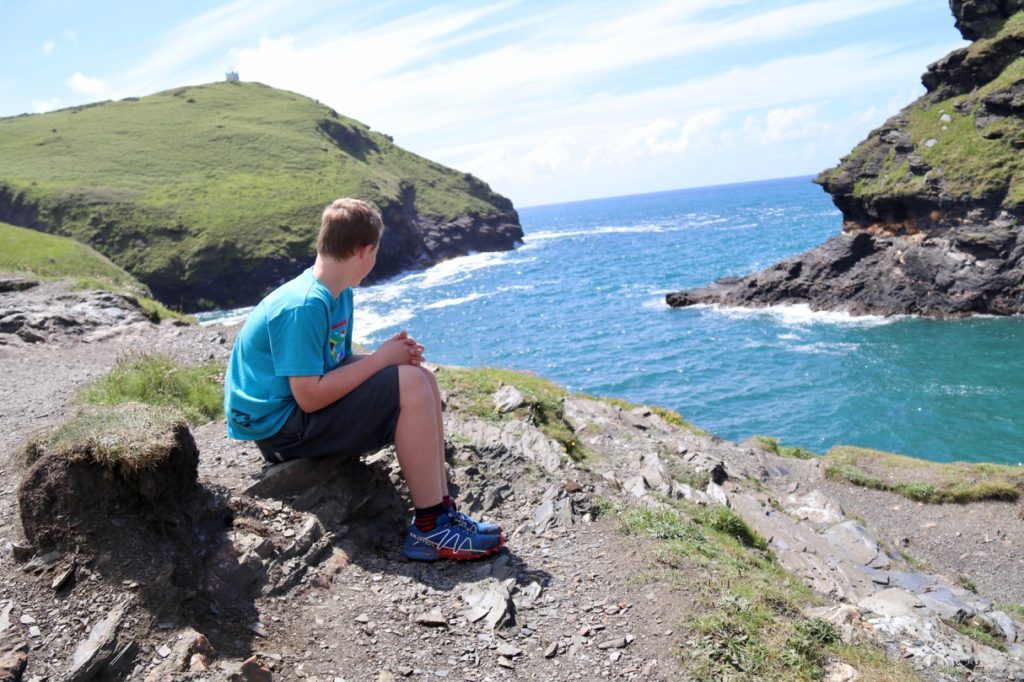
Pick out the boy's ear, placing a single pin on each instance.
(365, 251)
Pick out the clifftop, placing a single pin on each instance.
(211, 194)
(639, 547)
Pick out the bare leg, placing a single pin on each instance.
(432, 380)
(417, 437)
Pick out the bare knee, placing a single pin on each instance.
(431, 380)
(414, 386)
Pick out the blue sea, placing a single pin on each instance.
(581, 302)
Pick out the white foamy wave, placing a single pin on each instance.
(825, 348)
(789, 337)
(368, 321)
(444, 273)
(656, 304)
(449, 302)
(800, 315)
(224, 317)
(610, 229)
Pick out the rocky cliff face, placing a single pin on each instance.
(932, 200)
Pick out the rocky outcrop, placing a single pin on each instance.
(49, 312)
(931, 200)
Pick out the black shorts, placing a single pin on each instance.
(362, 422)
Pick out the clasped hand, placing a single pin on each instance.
(401, 349)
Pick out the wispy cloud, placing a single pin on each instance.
(520, 95)
(182, 46)
(48, 47)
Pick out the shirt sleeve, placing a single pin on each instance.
(297, 341)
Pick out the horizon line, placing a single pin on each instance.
(738, 183)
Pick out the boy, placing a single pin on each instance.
(294, 386)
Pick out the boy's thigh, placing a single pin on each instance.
(363, 421)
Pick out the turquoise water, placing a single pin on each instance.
(582, 303)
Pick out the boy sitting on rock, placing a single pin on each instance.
(294, 386)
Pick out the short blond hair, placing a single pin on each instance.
(346, 226)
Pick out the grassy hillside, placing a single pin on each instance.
(183, 184)
(963, 144)
(48, 256)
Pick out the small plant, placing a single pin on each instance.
(1015, 610)
(914, 562)
(966, 583)
(979, 631)
(600, 506)
(160, 381)
(726, 521)
(773, 445)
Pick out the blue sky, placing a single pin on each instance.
(545, 101)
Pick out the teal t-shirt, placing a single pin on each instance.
(298, 330)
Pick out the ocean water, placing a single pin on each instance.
(581, 302)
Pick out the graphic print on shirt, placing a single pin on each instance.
(337, 340)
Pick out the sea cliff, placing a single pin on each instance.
(932, 200)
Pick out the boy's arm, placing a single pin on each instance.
(316, 392)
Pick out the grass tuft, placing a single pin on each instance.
(924, 481)
(129, 437)
(157, 380)
(750, 623)
(472, 390)
(773, 445)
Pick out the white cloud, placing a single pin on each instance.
(564, 92)
(41, 106)
(86, 85)
(48, 47)
(550, 157)
(71, 37)
(787, 125)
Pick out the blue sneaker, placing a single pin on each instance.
(450, 539)
(482, 527)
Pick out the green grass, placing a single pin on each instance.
(201, 184)
(749, 624)
(670, 416)
(128, 437)
(39, 255)
(48, 256)
(159, 381)
(973, 164)
(1015, 611)
(924, 481)
(773, 445)
(979, 632)
(472, 391)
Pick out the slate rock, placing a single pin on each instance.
(93, 654)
